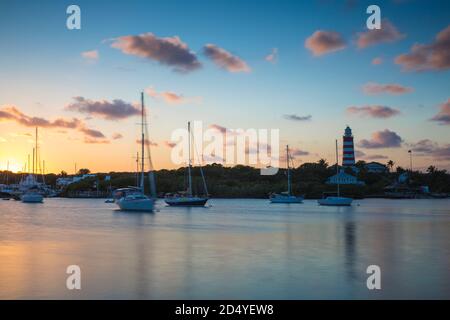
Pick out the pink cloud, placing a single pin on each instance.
(117, 136)
(382, 139)
(433, 56)
(11, 113)
(272, 56)
(147, 142)
(323, 42)
(171, 97)
(387, 33)
(443, 117)
(90, 55)
(377, 61)
(373, 111)
(170, 51)
(224, 59)
(110, 110)
(170, 144)
(391, 88)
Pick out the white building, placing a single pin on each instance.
(376, 167)
(62, 182)
(343, 178)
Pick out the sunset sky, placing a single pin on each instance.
(308, 68)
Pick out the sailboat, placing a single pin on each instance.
(32, 192)
(187, 199)
(133, 198)
(286, 197)
(335, 200)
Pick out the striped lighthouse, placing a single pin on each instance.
(348, 154)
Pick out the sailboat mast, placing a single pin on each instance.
(337, 168)
(288, 170)
(189, 161)
(33, 161)
(137, 169)
(142, 142)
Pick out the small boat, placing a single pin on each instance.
(110, 201)
(32, 196)
(337, 201)
(180, 199)
(133, 198)
(187, 199)
(286, 197)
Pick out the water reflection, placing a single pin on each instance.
(235, 249)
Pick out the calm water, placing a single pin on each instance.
(235, 249)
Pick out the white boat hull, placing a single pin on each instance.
(32, 198)
(335, 201)
(286, 199)
(146, 205)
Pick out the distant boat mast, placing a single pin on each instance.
(142, 142)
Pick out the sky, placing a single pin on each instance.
(307, 68)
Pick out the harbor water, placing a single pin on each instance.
(232, 249)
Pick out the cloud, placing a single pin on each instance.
(218, 128)
(117, 136)
(433, 56)
(373, 111)
(382, 139)
(375, 157)
(147, 142)
(225, 59)
(294, 152)
(390, 88)
(323, 42)
(272, 56)
(423, 146)
(90, 55)
(387, 33)
(170, 144)
(92, 132)
(443, 117)
(14, 114)
(377, 61)
(111, 110)
(172, 97)
(426, 147)
(95, 141)
(295, 117)
(3, 139)
(170, 51)
(11, 113)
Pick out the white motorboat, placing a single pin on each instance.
(337, 201)
(134, 199)
(32, 196)
(286, 197)
(187, 199)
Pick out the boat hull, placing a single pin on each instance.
(286, 199)
(186, 202)
(335, 201)
(143, 205)
(32, 198)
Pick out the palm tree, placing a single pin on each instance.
(390, 165)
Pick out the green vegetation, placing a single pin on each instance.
(246, 182)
